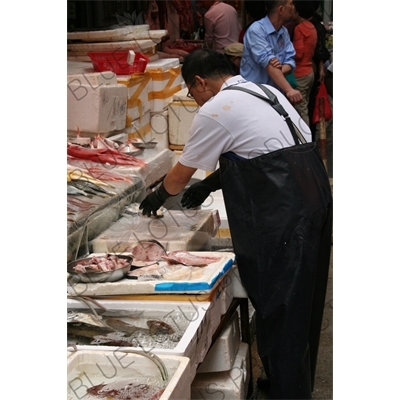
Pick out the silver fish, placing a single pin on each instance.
(76, 191)
(85, 318)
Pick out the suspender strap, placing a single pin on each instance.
(273, 101)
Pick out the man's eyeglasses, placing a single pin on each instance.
(191, 85)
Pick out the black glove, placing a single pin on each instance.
(198, 192)
(154, 201)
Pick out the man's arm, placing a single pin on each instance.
(278, 77)
(177, 178)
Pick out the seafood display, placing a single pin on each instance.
(90, 188)
(147, 252)
(77, 204)
(74, 173)
(95, 269)
(105, 151)
(109, 262)
(127, 374)
(186, 258)
(125, 390)
(164, 271)
(84, 327)
(103, 156)
(103, 173)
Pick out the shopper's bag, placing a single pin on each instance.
(322, 108)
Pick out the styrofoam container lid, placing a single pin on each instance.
(163, 64)
(127, 32)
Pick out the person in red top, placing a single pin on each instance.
(304, 43)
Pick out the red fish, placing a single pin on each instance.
(103, 156)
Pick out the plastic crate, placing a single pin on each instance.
(117, 61)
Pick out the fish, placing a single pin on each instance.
(85, 318)
(77, 204)
(156, 326)
(113, 339)
(74, 173)
(123, 389)
(73, 190)
(122, 326)
(103, 173)
(103, 156)
(86, 324)
(91, 188)
(94, 186)
(147, 252)
(157, 395)
(186, 258)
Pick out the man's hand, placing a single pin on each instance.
(154, 201)
(199, 191)
(275, 63)
(294, 96)
(195, 195)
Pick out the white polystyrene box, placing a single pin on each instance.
(139, 128)
(221, 355)
(194, 338)
(181, 112)
(232, 384)
(126, 32)
(124, 233)
(99, 109)
(219, 304)
(83, 73)
(159, 128)
(89, 368)
(139, 86)
(166, 81)
(226, 294)
(235, 284)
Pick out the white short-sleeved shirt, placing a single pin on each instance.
(234, 121)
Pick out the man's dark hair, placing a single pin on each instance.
(271, 5)
(255, 8)
(206, 63)
(305, 8)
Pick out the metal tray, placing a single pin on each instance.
(96, 277)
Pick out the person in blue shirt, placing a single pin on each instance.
(268, 53)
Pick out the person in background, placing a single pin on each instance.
(255, 10)
(279, 207)
(304, 43)
(321, 56)
(268, 53)
(221, 24)
(329, 79)
(233, 52)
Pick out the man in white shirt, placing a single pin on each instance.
(279, 207)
